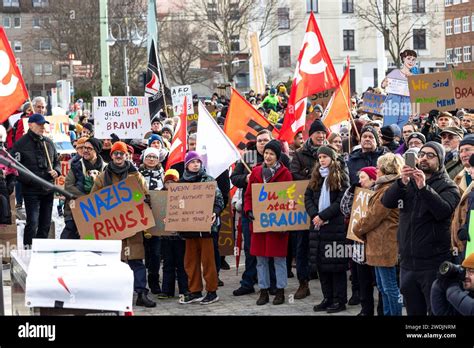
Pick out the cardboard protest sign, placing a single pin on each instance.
(397, 86)
(177, 96)
(464, 88)
(159, 200)
(190, 206)
(359, 210)
(226, 233)
(373, 103)
(115, 212)
(322, 98)
(128, 117)
(194, 115)
(432, 91)
(61, 180)
(58, 131)
(279, 206)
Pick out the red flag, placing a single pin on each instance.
(178, 145)
(314, 73)
(338, 109)
(13, 92)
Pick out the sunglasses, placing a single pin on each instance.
(118, 154)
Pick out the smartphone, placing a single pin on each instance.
(410, 160)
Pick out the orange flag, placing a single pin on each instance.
(243, 122)
(13, 92)
(178, 146)
(338, 108)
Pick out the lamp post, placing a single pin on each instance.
(130, 36)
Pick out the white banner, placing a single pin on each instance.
(177, 95)
(128, 117)
(396, 86)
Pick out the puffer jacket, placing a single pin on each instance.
(358, 160)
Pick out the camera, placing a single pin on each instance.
(449, 270)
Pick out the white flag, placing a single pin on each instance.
(218, 152)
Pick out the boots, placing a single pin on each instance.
(355, 299)
(154, 283)
(302, 291)
(144, 301)
(279, 297)
(263, 299)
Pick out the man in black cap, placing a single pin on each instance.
(80, 180)
(88, 130)
(427, 198)
(388, 139)
(416, 139)
(156, 126)
(38, 154)
(450, 139)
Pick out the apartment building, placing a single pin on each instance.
(459, 32)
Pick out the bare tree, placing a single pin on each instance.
(396, 21)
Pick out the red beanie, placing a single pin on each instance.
(119, 146)
(371, 172)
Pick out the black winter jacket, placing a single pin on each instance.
(358, 160)
(452, 301)
(30, 152)
(424, 237)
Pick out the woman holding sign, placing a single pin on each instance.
(132, 248)
(327, 235)
(268, 244)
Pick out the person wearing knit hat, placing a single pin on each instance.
(371, 172)
(317, 126)
(80, 145)
(88, 130)
(96, 144)
(328, 151)
(388, 138)
(191, 156)
(167, 132)
(416, 139)
(119, 146)
(155, 141)
(171, 175)
(450, 139)
(275, 146)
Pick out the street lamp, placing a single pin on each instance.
(130, 36)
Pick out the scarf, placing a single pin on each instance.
(325, 196)
(121, 172)
(193, 176)
(385, 179)
(311, 148)
(153, 177)
(269, 172)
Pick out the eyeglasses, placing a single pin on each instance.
(118, 154)
(153, 158)
(87, 148)
(429, 155)
(470, 271)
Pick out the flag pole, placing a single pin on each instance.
(347, 103)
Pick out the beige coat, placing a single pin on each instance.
(460, 214)
(133, 245)
(379, 230)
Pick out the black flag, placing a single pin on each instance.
(156, 83)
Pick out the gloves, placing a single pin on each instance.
(147, 200)
(444, 282)
(353, 187)
(114, 138)
(250, 215)
(463, 234)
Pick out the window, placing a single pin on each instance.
(283, 18)
(36, 22)
(38, 69)
(20, 66)
(7, 22)
(448, 2)
(466, 54)
(466, 21)
(419, 39)
(418, 6)
(472, 21)
(11, 3)
(17, 46)
(63, 47)
(212, 43)
(455, 2)
(17, 22)
(449, 27)
(348, 38)
(48, 69)
(347, 6)
(457, 25)
(458, 55)
(40, 3)
(45, 45)
(284, 54)
(449, 56)
(234, 43)
(312, 6)
(212, 11)
(234, 11)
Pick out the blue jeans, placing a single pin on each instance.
(302, 255)
(263, 269)
(153, 255)
(387, 284)
(139, 276)
(39, 209)
(173, 266)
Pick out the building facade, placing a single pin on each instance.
(459, 31)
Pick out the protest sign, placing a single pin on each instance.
(397, 86)
(322, 98)
(432, 91)
(8, 234)
(464, 88)
(128, 117)
(158, 206)
(359, 210)
(279, 206)
(194, 115)
(226, 233)
(58, 131)
(115, 212)
(190, 206)
(373, 103)
(61, 180)
(177, 96)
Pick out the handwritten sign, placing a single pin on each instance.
(177, 96)
(359, 210)
(279, 206)
(190, 206)
(226, 233)
(464, 88)
(115, 212)
(61, 180)
(194, 115)
(322, 98)
(128, 117)
(58, 131)
(397, 86)
(432, 91)
(159, 200)
(373, 103)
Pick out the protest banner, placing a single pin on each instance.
(226, 233)
(58, 131)
(61, 180)
(432, 91)
(322, 98)
(190, 207)
(373, 103)
(397, 86)
(128, 117)
(359, 210)
(159, 201)
(463, 88)
(279, 206)
(115, 212)
(177, 96)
